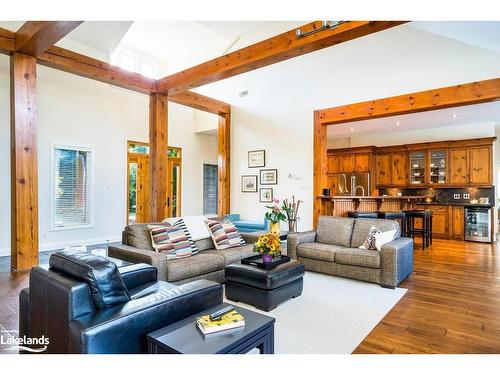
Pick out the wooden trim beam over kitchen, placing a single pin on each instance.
(270, 51)
(35, 37)
(439, 98)
(444, 97)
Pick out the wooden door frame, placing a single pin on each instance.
(131, 155)
(439, 98)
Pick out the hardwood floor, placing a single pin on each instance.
(452, 304)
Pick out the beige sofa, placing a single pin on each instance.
(333, 248)
(208, 264)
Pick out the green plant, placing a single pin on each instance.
(276, 213)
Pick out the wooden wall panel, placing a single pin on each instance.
(341, 207)
(224, 167)
(390, 206)
(367, 205)
(24, 165)
(158, 157)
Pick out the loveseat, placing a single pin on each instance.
(208, 264)
(333, 248)
(84, 303)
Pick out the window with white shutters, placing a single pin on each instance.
(70, 188)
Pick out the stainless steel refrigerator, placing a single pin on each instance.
(354, 184)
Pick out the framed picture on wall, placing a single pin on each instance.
(249, 184)
(268, 176)
(266, 195)
(256, 159)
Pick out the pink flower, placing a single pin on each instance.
(276, 200)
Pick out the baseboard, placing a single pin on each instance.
(61, 245)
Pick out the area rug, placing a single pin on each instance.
(333, 315)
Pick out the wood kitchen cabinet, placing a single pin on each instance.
(362, 163)
(459, 166)
(442, 164)
(437, 168)
(346, 163)
(457, 223)
(399, 169)
(383, 175)
(333, 184)
(333, 163)
(480, 161)
(439, 220)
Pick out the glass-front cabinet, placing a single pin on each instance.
(437, 166)
(417, 167)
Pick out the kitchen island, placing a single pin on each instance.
(339, 205)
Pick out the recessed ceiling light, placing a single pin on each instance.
(454, 115)
(398, 123)
(352, 130)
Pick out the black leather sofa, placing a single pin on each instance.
(86, 304)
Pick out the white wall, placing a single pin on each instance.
(277, 115)
(77, 111)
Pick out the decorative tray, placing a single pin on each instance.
(256, 260)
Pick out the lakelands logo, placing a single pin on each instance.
(10, 342)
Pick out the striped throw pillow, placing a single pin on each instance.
(224, 234)
(173, 239)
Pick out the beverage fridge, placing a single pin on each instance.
(478, 224)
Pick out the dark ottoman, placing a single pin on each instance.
(264, 289)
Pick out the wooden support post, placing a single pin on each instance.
(320, 164)
(24, 166)
(158, 158)
(223, 161)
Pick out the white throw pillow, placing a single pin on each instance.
(194, 224)
(384, 237)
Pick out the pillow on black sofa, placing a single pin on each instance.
(102, 276)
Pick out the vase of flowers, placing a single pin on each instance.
(275, 215)
(269, 245)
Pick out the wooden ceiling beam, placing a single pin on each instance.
(7, 41)
(35, 37)
(440, 98)
(270, 51)
(72, 62)
(201, 102)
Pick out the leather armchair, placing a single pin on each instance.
(60, 304)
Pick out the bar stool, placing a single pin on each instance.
(364, 215)
(399, 216)
(426, 231)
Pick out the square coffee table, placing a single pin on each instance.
(183, 337)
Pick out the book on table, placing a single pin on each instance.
(228, 321)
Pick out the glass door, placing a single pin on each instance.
(174, 191)
(437, 166)
(417, 167)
